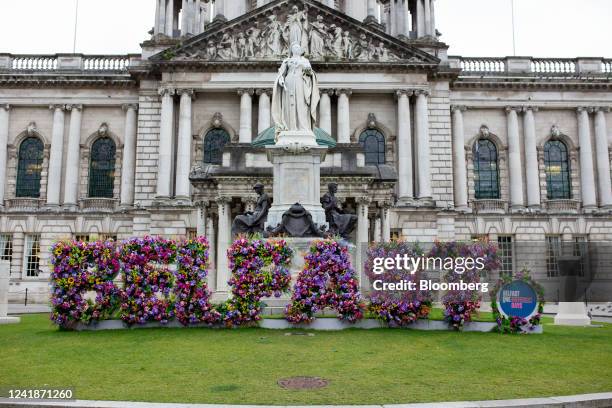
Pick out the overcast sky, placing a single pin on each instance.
(546, 28)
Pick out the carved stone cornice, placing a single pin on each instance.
(511, 84)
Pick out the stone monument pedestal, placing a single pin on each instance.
(296, 160)
(4, 291)
(572, 314)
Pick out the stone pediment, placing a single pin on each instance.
(264, 35)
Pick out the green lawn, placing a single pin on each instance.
(364, 366)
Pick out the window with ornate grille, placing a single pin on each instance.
(581, 249)
(557, 167)
(6, 247)
(31, 256)
(506, 254)
(214, 142)
(486, 174)
(373, 143)
(102, 168)
(553, 251)
(29, 167)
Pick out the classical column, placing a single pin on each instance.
(263, 120)
(427, 11)
(433, 17)
(377, 229)
(401, 15)
(246, 115)
(422, 137)
(169, 24)
(514, 159)
(4, 132)
(459, 163)
(531, 159)
(587, 176)
(325, 118)
(166, 133)
(55, 158)
(160, 17)
(183, 153)
(386, 221)
(128, 169)
(71, 183)
(212, 251)
(362, 234)
(344, 119)
(404, 146)
(392, 13)
(603, 158)
(330, 3)
(220, 10)
(372, 8)
(223, 243)
(201, 218)
(420, 18)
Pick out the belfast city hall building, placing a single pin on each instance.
(423, 145)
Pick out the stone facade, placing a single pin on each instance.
(382, 68)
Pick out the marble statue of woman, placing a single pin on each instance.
(296, 26)
(295, 95)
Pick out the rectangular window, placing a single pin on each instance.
(31, 256)
(192, 233)
(82, 237)
(506, 254)
(581, 249)
(6, 248)
(553, 250)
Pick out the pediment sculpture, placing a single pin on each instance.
(270, 36)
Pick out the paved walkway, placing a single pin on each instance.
(603, 400)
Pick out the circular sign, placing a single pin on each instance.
(517, 299)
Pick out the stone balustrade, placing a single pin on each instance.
(489, 206)
(530, 65)
(98, 204)
(562, 206)
(23, 204)
(63, 62)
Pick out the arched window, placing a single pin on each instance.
(102, 168)
(373, 143)
(214, 141)
(556, 165)
(486, 175)
(29, 167)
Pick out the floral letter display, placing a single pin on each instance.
(403, 307)
(460, 305)
(79, 267)
(328, 280)
(147, 280)
(192, 295)
(259, 269)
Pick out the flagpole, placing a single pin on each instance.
(513, 30)
(76, 20)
